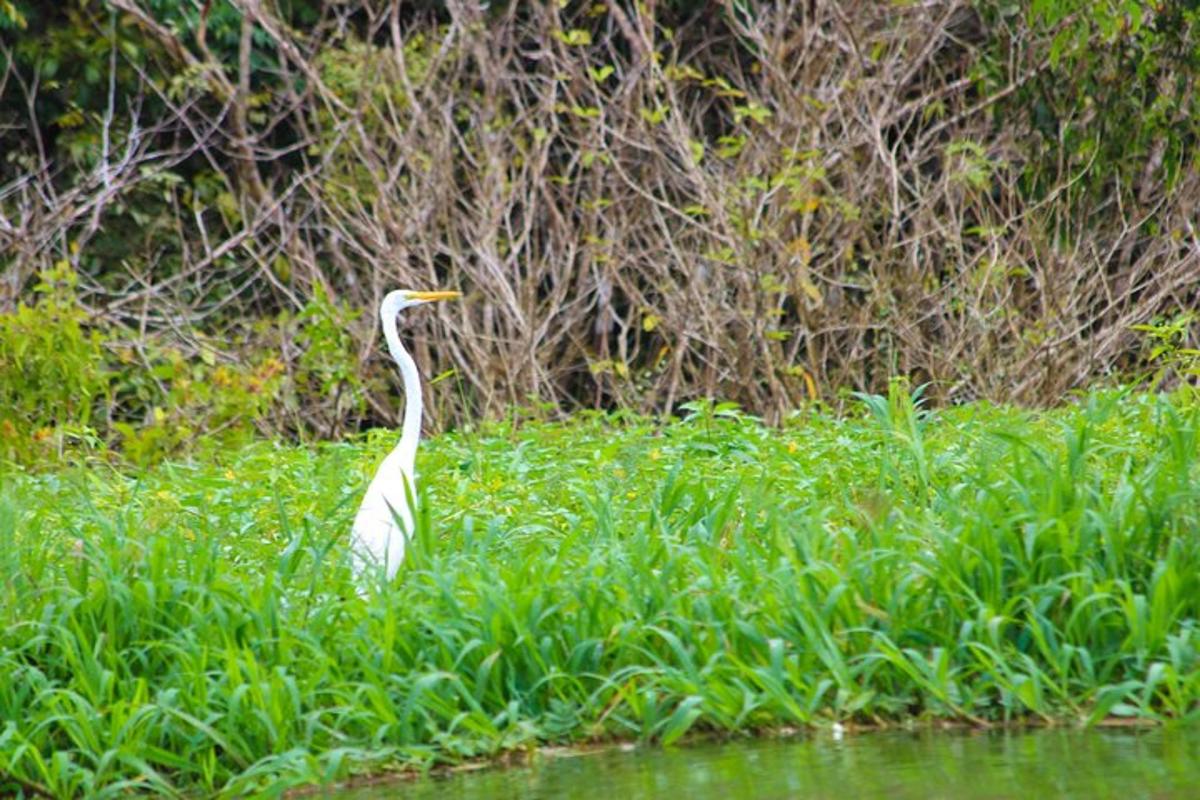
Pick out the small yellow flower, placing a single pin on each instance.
(792, 447)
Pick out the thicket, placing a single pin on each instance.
(767, 202)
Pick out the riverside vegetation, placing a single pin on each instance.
(772, 202)
(191, 627)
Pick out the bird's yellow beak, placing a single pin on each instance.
(429, 297)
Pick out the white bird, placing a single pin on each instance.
(385, 519)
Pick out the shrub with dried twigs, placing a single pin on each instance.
(767, 201)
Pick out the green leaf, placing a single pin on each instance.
(576, 37)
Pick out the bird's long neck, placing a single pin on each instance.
(410, 431)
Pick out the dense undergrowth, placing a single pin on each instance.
(643, 203)
(192, 628)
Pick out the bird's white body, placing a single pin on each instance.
(384, 521)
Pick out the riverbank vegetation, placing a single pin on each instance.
(192, 626)
(707, 250)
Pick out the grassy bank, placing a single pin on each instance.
(193, 628)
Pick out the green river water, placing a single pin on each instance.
(1124, 764)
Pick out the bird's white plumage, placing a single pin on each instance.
(384, 521)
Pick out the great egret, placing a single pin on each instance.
(385, 519)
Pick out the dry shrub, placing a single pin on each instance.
(761, 201)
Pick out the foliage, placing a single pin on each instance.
(328, 367)
(1117, 100)
(645, 204)
(1167, 341)
(52, 372)
(193, 628)
(177, 401)
(70, 385)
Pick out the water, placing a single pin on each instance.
(1159, 764)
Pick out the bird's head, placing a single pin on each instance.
(397, 301)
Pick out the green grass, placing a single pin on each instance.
(194, 629)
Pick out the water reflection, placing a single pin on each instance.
(1159, 764)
